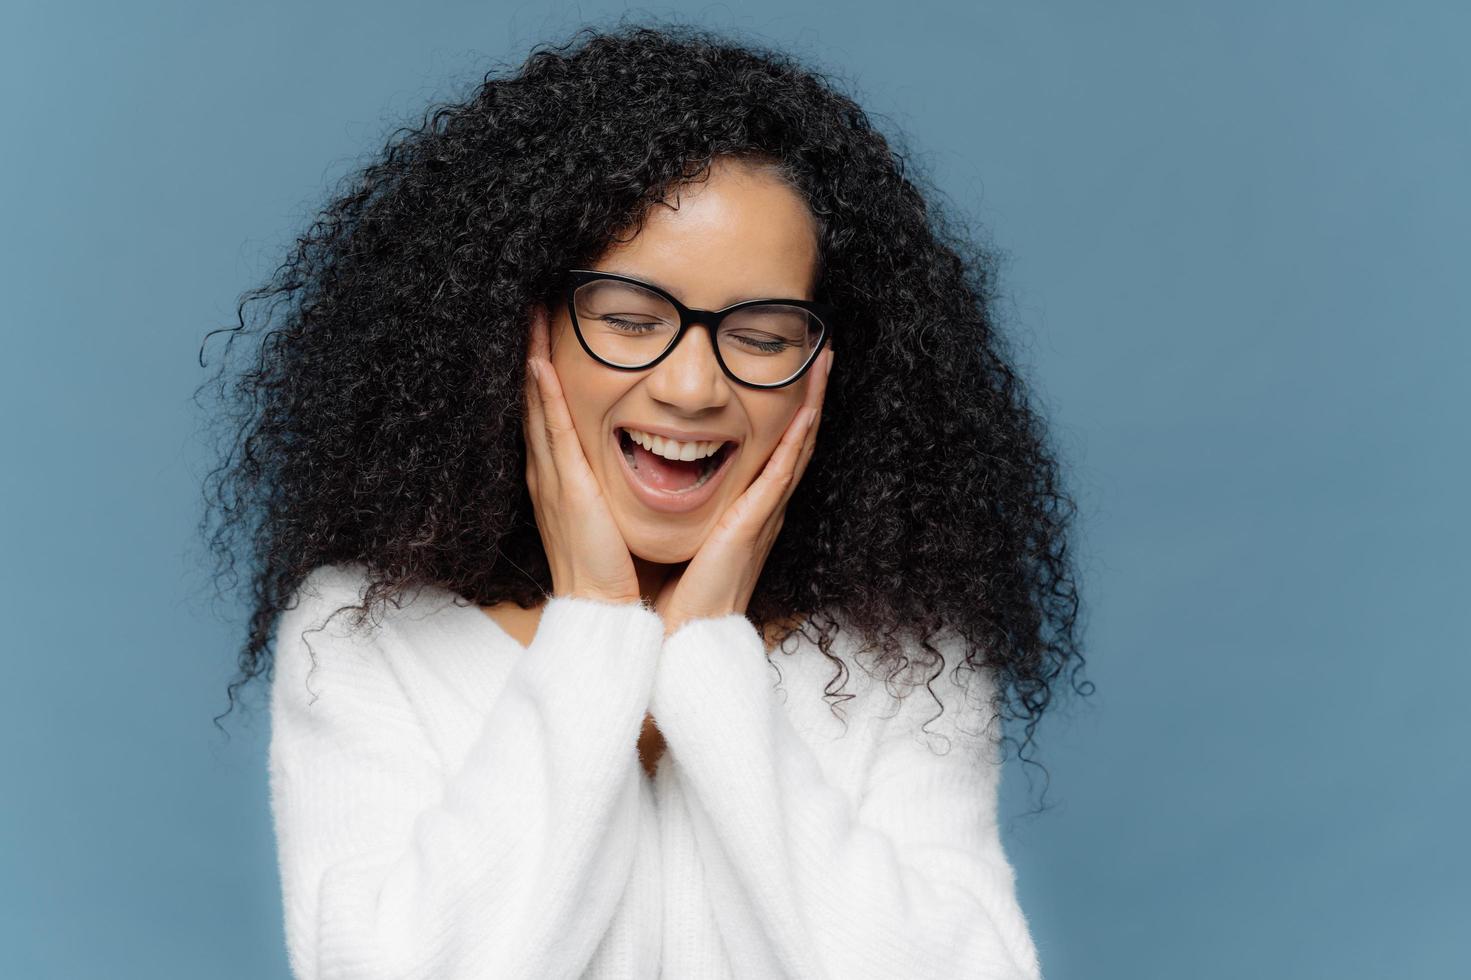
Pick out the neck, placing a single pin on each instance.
(651, 577)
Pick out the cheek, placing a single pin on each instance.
(768, 425)
(575, 370)
(591, 393)
(580, 395)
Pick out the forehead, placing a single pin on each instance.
(740, 234)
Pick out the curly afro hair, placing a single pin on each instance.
(379, 419)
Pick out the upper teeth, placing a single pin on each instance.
(673, 449)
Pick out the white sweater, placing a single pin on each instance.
(449, 804)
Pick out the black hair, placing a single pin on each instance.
(379, 419)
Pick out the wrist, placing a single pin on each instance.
(598, 595)
(675, 618)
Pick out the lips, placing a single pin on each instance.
(664, 500)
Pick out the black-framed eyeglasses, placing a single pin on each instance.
(632, 325)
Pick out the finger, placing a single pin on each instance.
(536, 345)
(538, 340)
(802, 450)
(549, 386)
(538, 453)
(769, 493)
(816, 394)
(535, 429)
(561, 434)
(535, 410)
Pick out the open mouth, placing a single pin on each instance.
(672, 475)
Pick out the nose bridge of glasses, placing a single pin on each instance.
(709, 319)
(707, 323)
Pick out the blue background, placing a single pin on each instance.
(1237, 240)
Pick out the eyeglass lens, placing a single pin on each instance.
(630, 326)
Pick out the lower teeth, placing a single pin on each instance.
(709, 472)
(705, 474)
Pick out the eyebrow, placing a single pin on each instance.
(674, 292)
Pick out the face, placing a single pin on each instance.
(742, 234)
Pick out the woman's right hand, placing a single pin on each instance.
(585, 549)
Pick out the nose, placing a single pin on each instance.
(690, 379)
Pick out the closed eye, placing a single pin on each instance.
(629, 326)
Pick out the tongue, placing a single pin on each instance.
(665, 474)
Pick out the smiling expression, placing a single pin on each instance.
(742, 234)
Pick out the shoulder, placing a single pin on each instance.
(330, 610)
(342, 580)
(927, 692)
(333, 597)
(337, 665)
(325, 601)
(327, 630)
(949, 704)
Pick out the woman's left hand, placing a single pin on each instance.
(722, 575)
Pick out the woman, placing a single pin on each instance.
(546, 396)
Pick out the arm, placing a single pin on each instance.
(909, 881)
(511, 865)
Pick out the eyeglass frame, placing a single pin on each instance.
(688, 316)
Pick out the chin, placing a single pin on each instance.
(662, 556)
(668, 550)
(655, 539)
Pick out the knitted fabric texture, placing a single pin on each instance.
(449, 804)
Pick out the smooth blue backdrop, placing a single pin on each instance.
(1237, 238)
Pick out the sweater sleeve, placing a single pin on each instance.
(511, 864)
(909, 881)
